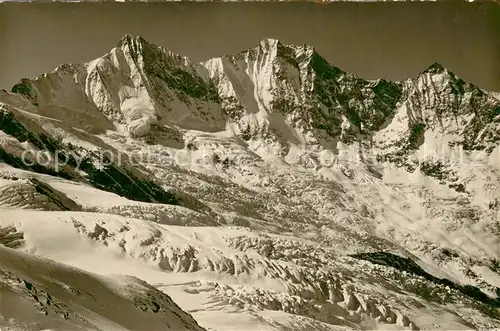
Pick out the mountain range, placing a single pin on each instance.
(263, 190)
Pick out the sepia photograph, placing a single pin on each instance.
(249, 165)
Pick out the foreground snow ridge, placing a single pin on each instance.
(263, 190)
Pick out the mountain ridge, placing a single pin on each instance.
(129, 38)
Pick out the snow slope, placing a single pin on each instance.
(41, 294)
(206, 264)
(262, 190)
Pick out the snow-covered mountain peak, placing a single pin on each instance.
(277, 50)
(138, 47)
(283, 49)
(435, 68)
(269, 43)
(131, 41)
(436, 76)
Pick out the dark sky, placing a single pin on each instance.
(373, 40)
